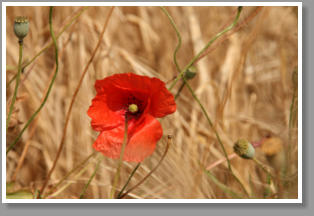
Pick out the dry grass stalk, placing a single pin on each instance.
(245, 79)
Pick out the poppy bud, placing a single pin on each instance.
(190, 73)
(133, 108)
(21, 27)
(244, 149)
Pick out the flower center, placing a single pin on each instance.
(133, 108)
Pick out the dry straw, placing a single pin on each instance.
(243, 82)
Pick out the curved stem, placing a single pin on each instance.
(151, 172)
(216, 133)
(178, 35)
(181, 75)
(18, 78)
(206, 47)
(73, 99)
(263, 167)
(129, 179)
(51, 43)
(49, 89)
(208, 120)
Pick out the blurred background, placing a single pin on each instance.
(246, 81)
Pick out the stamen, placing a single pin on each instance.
(133, 108)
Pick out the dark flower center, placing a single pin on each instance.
(135, 106)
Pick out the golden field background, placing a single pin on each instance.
(244, 82)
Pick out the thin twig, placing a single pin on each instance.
(129, 179)
(73, 99)
(169, 141)
(216, 163)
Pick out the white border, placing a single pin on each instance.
(5, 4)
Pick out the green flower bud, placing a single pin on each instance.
(190, 73)
(21, 25)
(133, 108)
(244, 149)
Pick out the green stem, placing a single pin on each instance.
(270, 177)
(206, 47)
(178, 35)
(209, 121)
(117, 175)
(216, 133)
(178, 68)
(181, 75)
(129, 179)
(17, 83)
(90, 179)
(179, 90)
(52, 43)
(169, 141)
(49, 89)
(263, 167)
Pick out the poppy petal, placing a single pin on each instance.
(141, 144)
(162, 101)
(143, 140)
(126, 82)
(103, 118)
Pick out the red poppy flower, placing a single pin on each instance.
(139, 98)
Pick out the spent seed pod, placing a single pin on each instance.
(244, 149)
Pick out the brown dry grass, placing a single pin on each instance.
(244, 83)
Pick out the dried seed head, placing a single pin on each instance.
(21, 25)
(244, 149)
